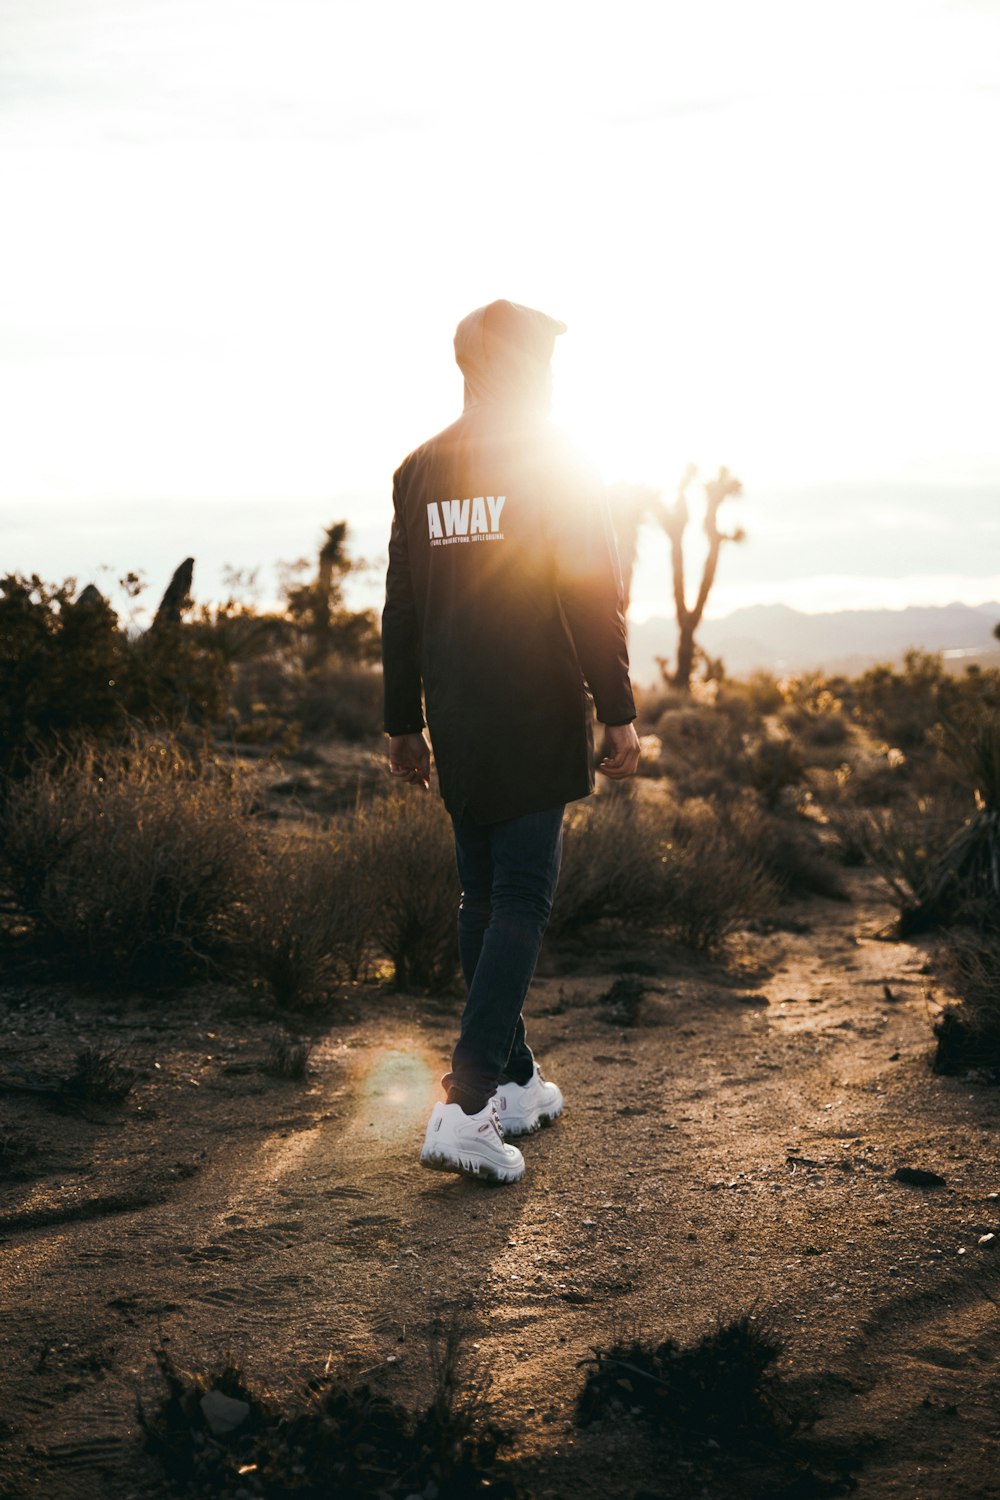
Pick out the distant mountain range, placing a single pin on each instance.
(775, 638)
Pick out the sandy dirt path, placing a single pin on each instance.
(735, 1148)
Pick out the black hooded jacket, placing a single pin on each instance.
(504, 593)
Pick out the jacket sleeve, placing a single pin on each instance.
(403, 713)
(589, 583)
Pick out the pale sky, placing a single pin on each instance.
(238, 237)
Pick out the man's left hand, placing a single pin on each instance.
(410, 759)
(621, 752)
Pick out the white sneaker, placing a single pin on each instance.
(524, 1107)
(473, 1144)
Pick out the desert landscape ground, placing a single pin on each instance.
(733, 1151)
(755, 1259)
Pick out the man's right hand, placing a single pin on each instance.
(621, 751)
(410, 759)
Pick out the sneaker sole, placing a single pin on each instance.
(468, 1166)
(523, 1125)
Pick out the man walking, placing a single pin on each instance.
(504, 601)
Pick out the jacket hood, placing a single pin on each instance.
(504, 351)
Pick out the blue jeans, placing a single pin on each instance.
(508, 873)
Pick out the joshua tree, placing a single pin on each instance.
(674, 519)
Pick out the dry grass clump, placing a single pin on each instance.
(380, 879)
(772, 764)
(143, 866)
(403, 851)
(721, 1388)
(612, 864)
(99, 1078)
(308, 919)
(788, 850)
(720, 1412)
(968, 1034)
(940, 856)
(288, 1058)
(715, 879)
(129, 864)
(677, 869)
(218, 1434)
(17, 1149)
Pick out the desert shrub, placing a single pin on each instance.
(789, 851)
(702, 749)
(18, 1149)
(343, 699)
(404, 854)
(813, 711)
(60, 660)
(771, 765)
(904, 846)
(875, 778)
(715, 879)
(939, 864)
(696, 735)
(900, 707)
(968, 1034)
(676, 869)
(334, 698)
(309, 916)
(129, 863)
(99, 1078)
(612, 864)
(68, 671)
(652, 702)
(849, 828)
(710, 750)
(760, 693)
(622, 1003)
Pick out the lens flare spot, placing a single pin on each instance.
(399, 1087)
